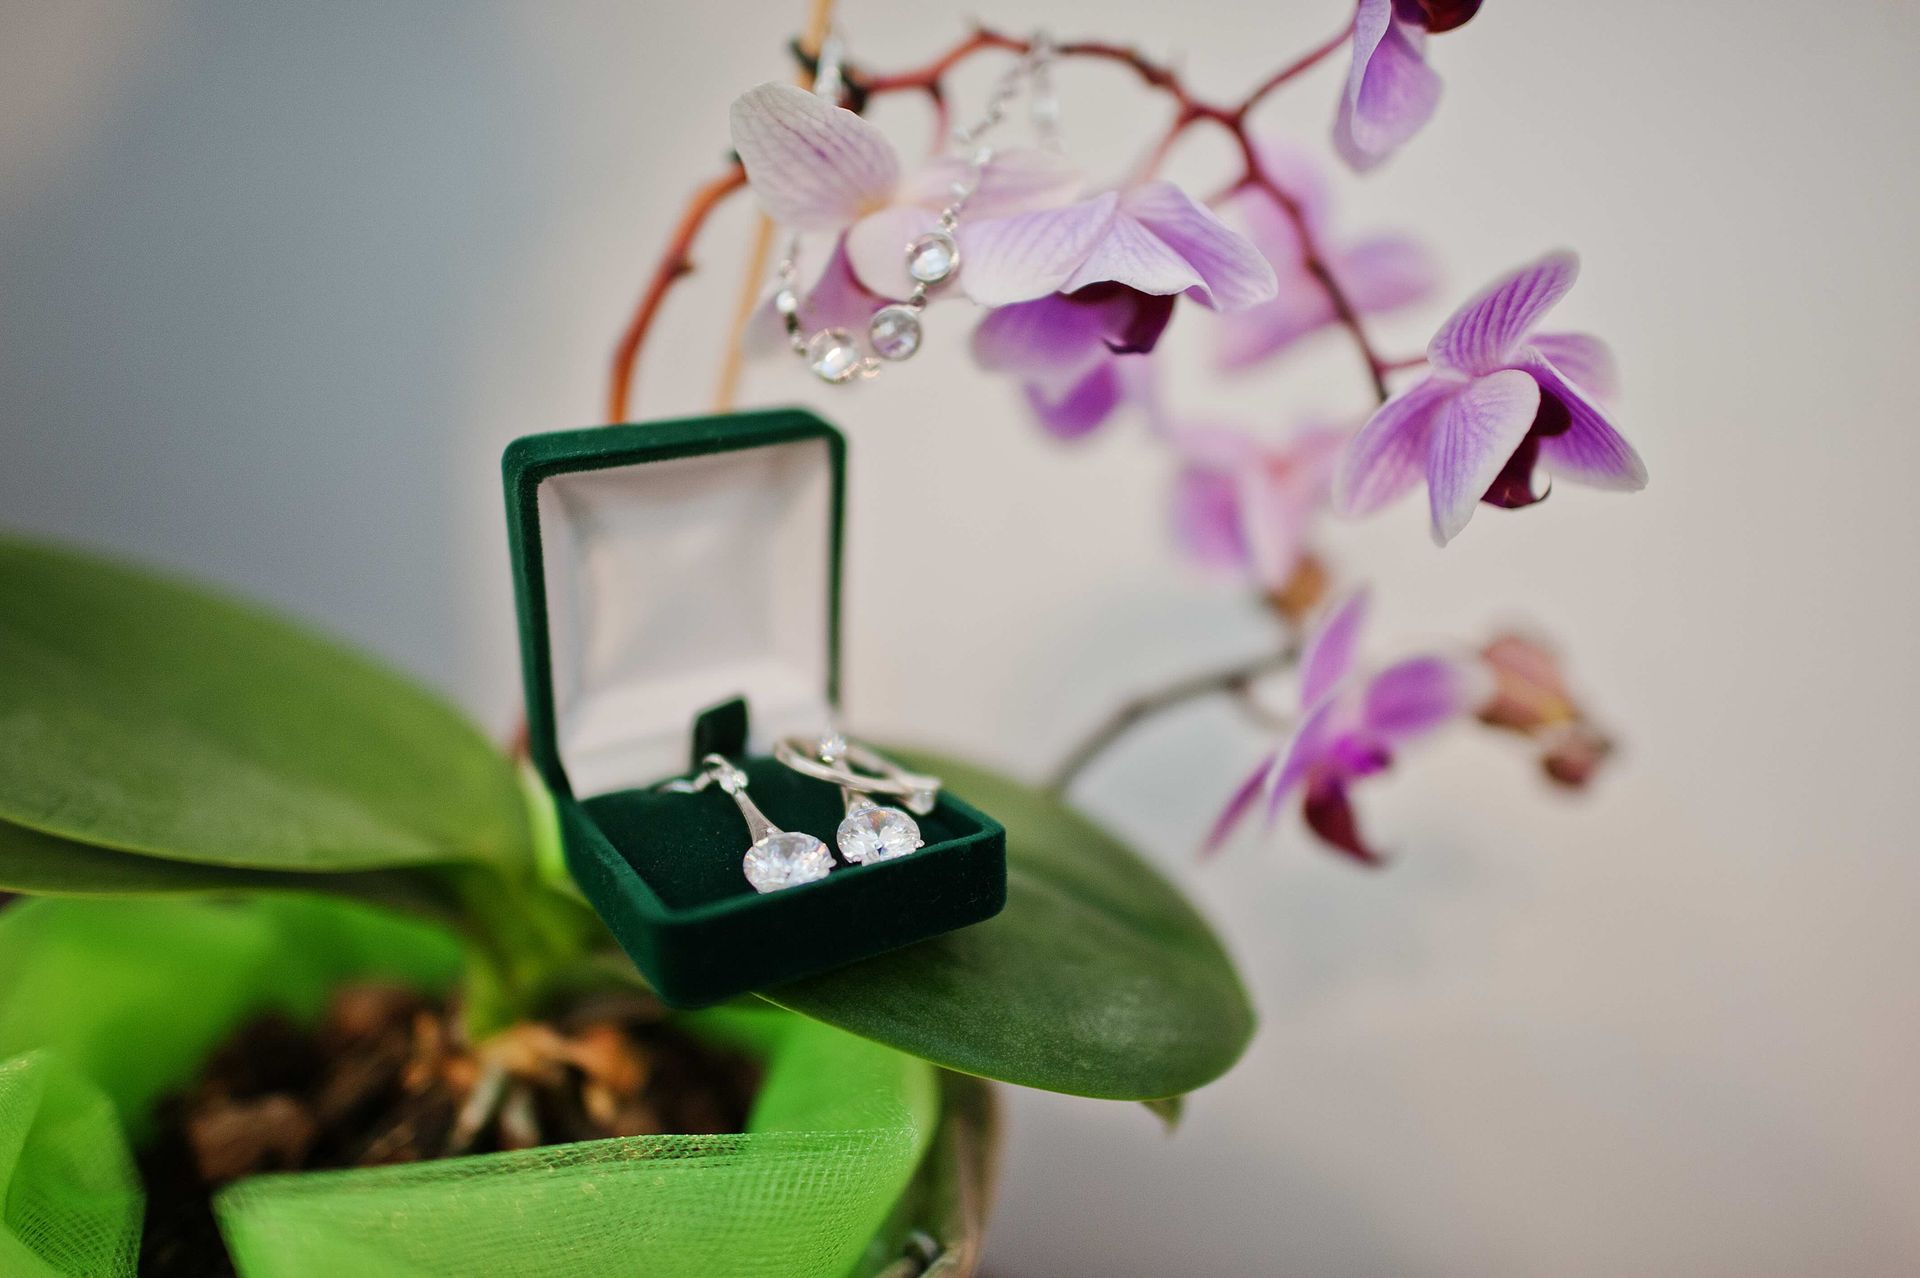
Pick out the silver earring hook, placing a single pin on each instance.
(777, 858)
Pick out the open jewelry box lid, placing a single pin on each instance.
(678, 586)
(666, 567)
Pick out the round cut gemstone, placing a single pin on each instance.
(895, 332)
(832, 355)
(932, 257)
(785, 860)
(922, 801)
(872, 833)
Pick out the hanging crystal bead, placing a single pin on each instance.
(832, 355)
(932, 257)
(895, 332)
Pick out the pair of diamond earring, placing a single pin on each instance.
(868, 833)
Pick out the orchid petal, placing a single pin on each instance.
(1130, 254)
(1301, 756)
(1276, 530)
(1590, 451)
(1314, 454)
(1479, 431)
(1391, 91)
(1386, 272)
(833, 300)
(1379, 274)
(1082, 407)
(1483, 334)
(838, 299)
(813, 165)
(1048, 338)
(1388, 456)
(1057, 339)
(1258, 334)
(1027, 255)
(1329, 814)
(1016, 180)
(1206, 517)
(877, 247)
(1329, 653)
(1130, 323)
(1283, 497)
(1415, 696)
(1232, 274)
(1585, 361)
(1239, 804)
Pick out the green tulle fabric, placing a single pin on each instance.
(107, 1004)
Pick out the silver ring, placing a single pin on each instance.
(777, 858)
(832, 759)
(869, 831)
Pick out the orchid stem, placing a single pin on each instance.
(1231, 680)
(676, 262)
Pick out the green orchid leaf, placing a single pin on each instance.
(142, 715)
(1098, 979)
(45, 865)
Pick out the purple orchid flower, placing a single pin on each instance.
(1154, 239)
(1352, 729)
(818, 167)
(1378, 274)
(1240, 503)
(1075, 286)
(1065, 348)
(1501, 402)
(1391, 92)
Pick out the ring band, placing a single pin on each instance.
(919, 791)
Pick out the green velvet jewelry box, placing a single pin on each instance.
(678, 585)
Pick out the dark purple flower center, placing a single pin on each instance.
(1329, 814)
(1135, 319)
(1513, 488)
(1436, 15)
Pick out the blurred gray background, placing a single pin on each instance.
(278, 281)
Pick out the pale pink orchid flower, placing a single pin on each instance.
(1246, 505)
(1378, 273)
(820, 168)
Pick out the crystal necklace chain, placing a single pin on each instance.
(894, 331)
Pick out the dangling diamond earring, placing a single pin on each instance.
(869, 832)
(778, 858)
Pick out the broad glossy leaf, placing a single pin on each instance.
(1098, 979)
(144, 715)
(45, 865)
